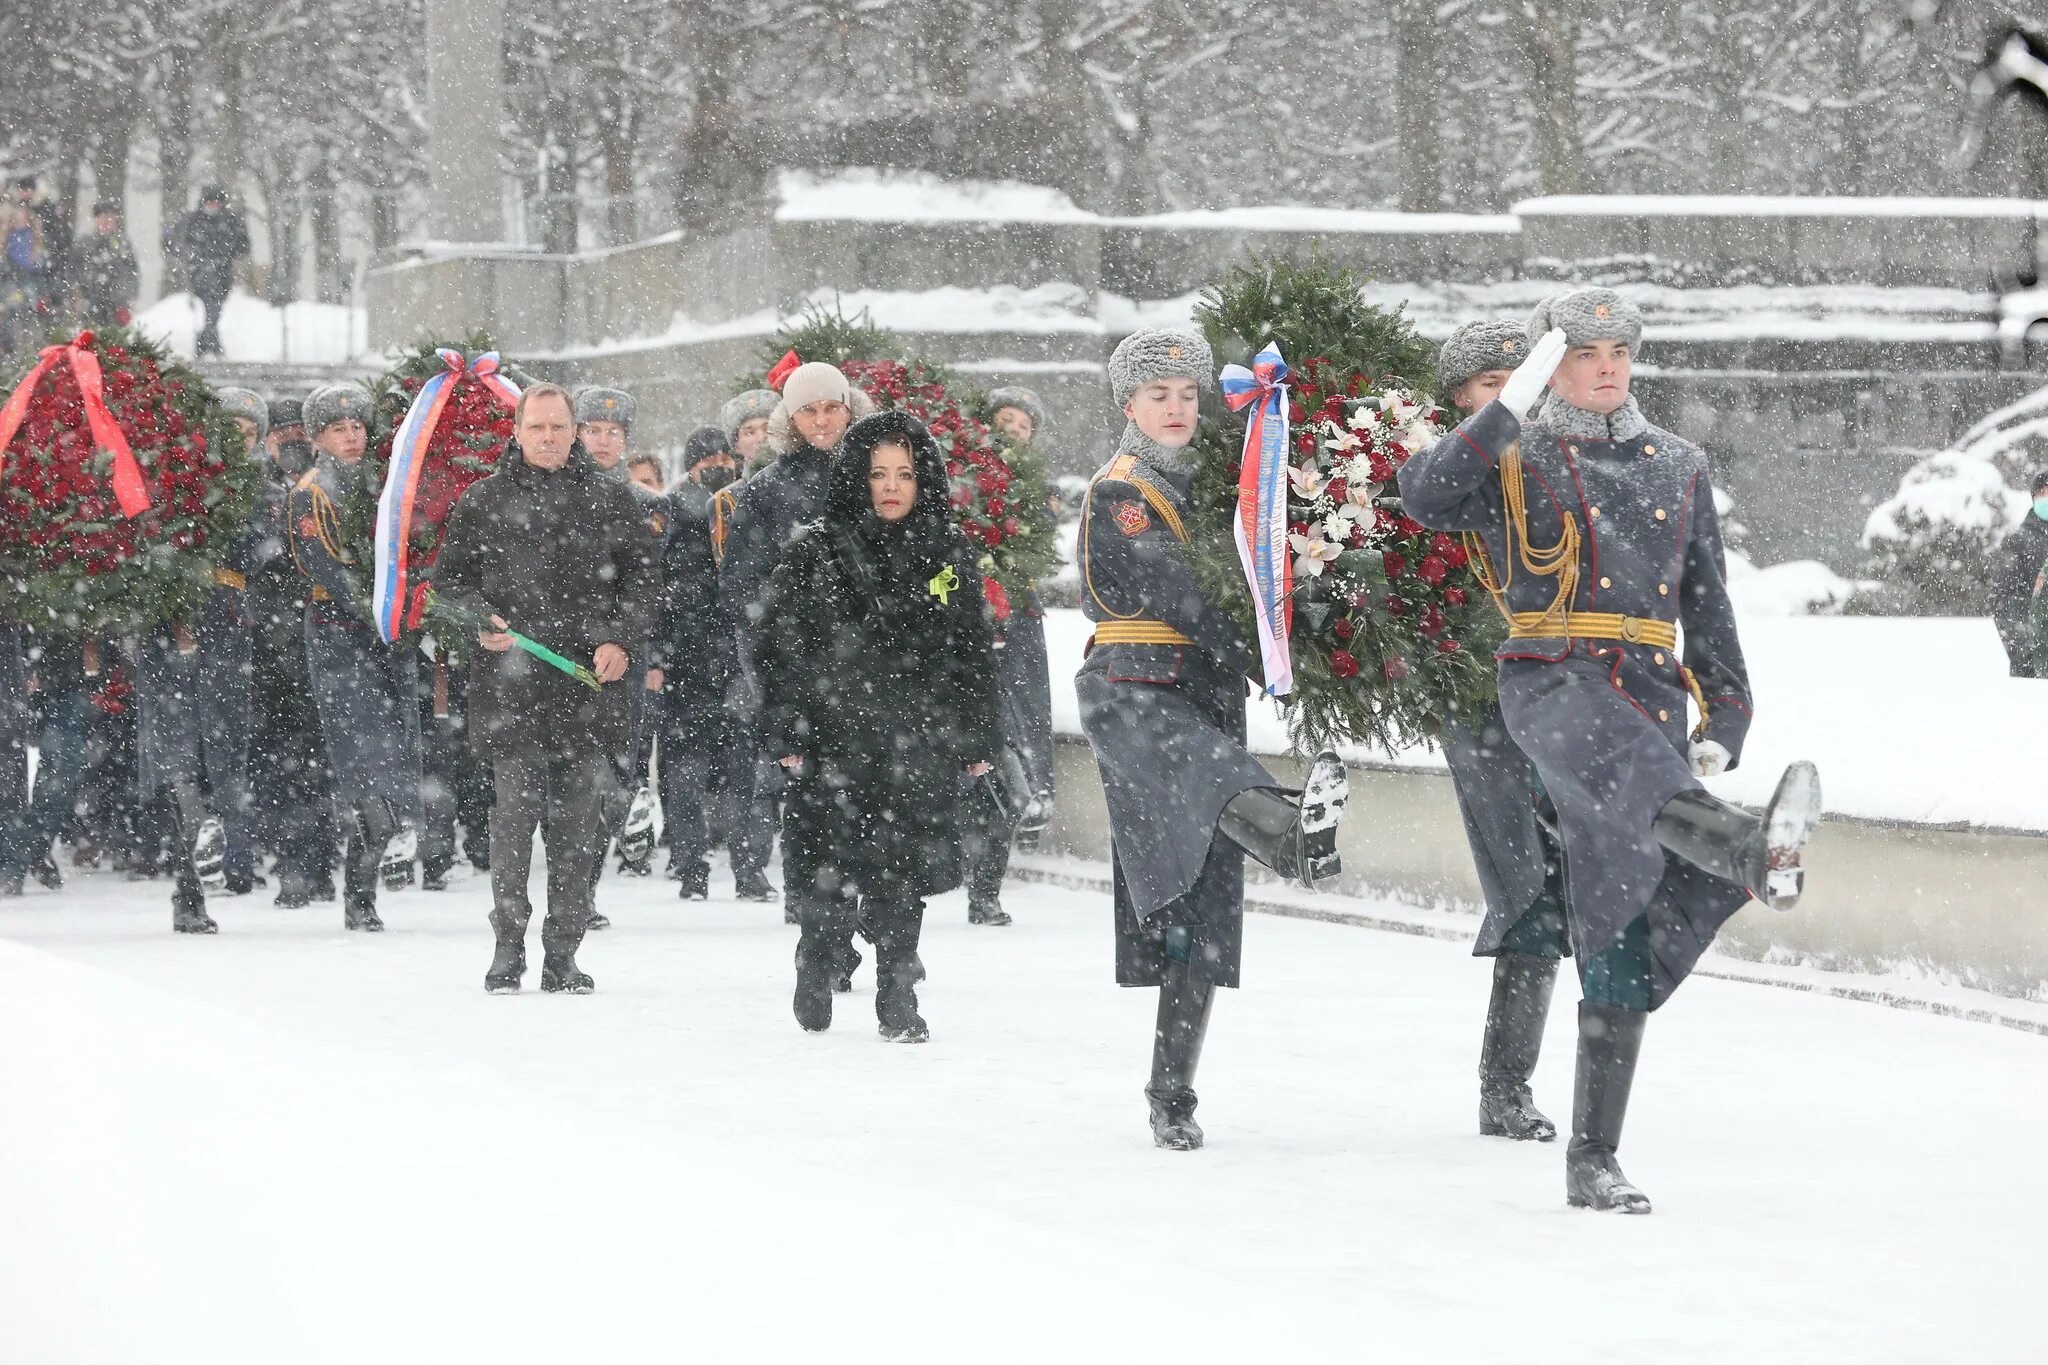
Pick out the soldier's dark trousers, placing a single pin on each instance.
(60, 772)
(563, 792)
(1618, 976)
(709, 783)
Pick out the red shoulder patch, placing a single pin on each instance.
(309, 528)
(1131, 518)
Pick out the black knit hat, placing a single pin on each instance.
(704, 443)
(287, 412)
(2040, 482)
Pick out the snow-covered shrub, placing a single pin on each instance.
(1930, 543)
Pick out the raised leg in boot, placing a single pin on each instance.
(1610, 1038)
(1293, 833)
(1764, 853)
(896, 925)
(188, 899)
(1185, 998)
(507, 971)
(1514, 1039)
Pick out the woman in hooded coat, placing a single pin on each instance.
(876, 655)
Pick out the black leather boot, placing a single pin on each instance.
(1177, 1035)
(1295, 834)
(1609, 1040)
(819, 928)
(1514, 1040)
(201, 836)
(188, 901)
(359, 885)
(898, 970)
(1763, 853)
(507, 971)
(559, 974)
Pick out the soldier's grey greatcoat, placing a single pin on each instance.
(1604, 719)
(193, 723)
(367, 691)
(1497, 789)
(1165, 717)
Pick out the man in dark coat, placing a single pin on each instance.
(877, 659)
(207, 242)
(103, 268)
(1598, 536)
(292, 796)
(551, 547)
(2016, 576)
(14, 737)
(367, 691)
(753, 521)
(708, 760)
(1520, 866)
(1162, 693)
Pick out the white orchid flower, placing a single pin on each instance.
(1308, 480)
(1313, 554)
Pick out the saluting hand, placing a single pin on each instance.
(976, 769)
(1527, 383)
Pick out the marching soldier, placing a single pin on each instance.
(1162, 695)
(366, 691)
(1599, 541)
(604, 423)
(192, 736)
(1521, 867)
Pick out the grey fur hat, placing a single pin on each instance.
(1159, 353)
(1587, 314)
(331, 403)
(1478, 347)
(595, 403)
(246, 403)
(740, 410)
(287, 412)
(1025, 401)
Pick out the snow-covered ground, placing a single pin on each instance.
(251, 329)
(291, 1143)
(1910, 719)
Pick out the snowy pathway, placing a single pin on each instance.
(289, 1143)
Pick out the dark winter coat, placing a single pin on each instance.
(1604, 721)
(767, 511)
(2015, 567)
(566, 558)
(104, 270)
(697, 629)
(877, 660)
(209, 244)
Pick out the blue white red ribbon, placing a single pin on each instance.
(1260, 528)
(391, 589)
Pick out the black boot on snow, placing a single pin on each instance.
(508, 965)
(1609, 1041)
(597, 921)
(559, 973)
(293, 891)
(898, 969)
(755, 886)
(694, 880)
(1177, 1034)
(636, 834)
(1295, 835)
(47, 873)
(813, 1002)
(987, 912)
(188, 906)
(1765, 854)
(359, 886)
(1514, 1040)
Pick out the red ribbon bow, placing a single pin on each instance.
(129, 488)
(783, 369)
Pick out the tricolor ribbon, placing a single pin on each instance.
(1260, 528)
(391, 588)
(129, 488)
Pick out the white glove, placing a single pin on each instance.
(1527, 383)
(1708, 758)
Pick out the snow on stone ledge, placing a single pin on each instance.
(1775, 206)
(868, 195)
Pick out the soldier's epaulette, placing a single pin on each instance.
(1124, 469)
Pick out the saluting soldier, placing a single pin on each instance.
(366, 690)
(1162, 694)
(1520, 865)
(1599, 542)
(192, 735)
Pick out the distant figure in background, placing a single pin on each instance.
(207, 242)
(24, 268)
(2016, 580)
(103, 268)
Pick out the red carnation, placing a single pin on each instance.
(1447, 646)
(1395, 669)
(1431, 622)
(1342, 630)
(1455, 597)
(1393, 564)
(1397, 605)
(1342, 664)
(1432, 570)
